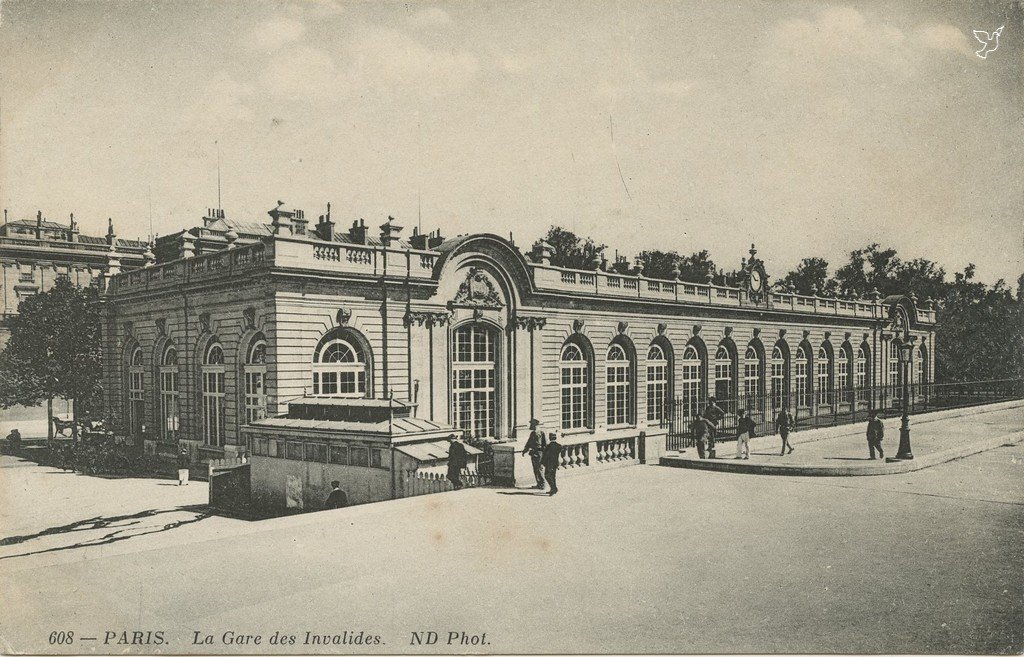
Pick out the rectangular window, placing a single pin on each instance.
(316, 452)
(360, 456)
(272, 448)
(213, 407)
(294, 451)
(339, 454)
(377, 459)
(618, 392)
(803, 395)
(255, 394)
(656, 391)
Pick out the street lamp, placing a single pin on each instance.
(906, 352)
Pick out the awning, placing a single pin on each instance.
(426, 452)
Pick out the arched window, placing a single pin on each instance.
(723, 380)
(255, 371)
(843, 373)
(474, 380)
(690, 384)
(860, 374)
(619, 386)
(136, 392)
(574, 369)
(213, 395)
(780, 396)
(752, 391)
(921, 366)
(339, 369)
(169, 394)
(823, 377)
(657, 383)
(803, 388)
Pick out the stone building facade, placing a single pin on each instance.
(473, 334)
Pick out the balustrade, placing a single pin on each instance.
(575, 456)
(618, 449)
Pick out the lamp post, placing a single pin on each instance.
(906, 351)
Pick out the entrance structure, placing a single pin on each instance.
(473, 335)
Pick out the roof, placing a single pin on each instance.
(434, 451)
(348, 401)
(397, 427)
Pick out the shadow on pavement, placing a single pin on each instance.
(125, 527)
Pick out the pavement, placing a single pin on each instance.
(643, 559)
(842, 451)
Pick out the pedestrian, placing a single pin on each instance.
(784, 423)
(551, 459)
(457, 459)
(183, 463)
(337, 499)
(14, 441)
(701, 434)
(744, 432)
(713, 413)
(535, 448)
(876, 431)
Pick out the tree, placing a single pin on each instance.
(694, 268)
(54, 350)
(571, 251)
(810, 277)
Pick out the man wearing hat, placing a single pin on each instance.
(457, 459)
(535, 448)
(183, 466)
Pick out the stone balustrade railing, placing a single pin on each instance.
(607, 284)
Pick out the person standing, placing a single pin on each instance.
(457, 459)
(713, 413)
(337, 499)
(700, 435)
(784, 422)
(535, 448)
(876, 432)
(183, 464)
(744, 432)
(551, 459)
(14, 441)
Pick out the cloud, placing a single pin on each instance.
(944, 37)
(272, 34)
(300, 71)
(430, 17)
(387, 56)
(222, 102)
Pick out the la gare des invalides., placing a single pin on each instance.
(316, 354)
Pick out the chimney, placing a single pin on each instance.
(211, 217)
(418, 239)
(73, 230)
(389, 232)
(325, 227)
(39, 224)
(111, 235)
(281, 220)
(299, 222)
(435, 239)
(357, 233)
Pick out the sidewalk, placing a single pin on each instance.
(843, 451)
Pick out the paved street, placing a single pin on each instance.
(641, 559)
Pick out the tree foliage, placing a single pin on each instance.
(694, 268)
(810, 277)
(572, 251)
(54, 348)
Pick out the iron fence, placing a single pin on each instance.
(835, 407)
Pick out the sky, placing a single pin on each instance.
(808, 128)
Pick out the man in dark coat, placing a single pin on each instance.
(337, 499)
(701, 431)
(713, 413)
(535, 448)
(784, 423)
(550, 459)
(457, 459)
(876, 431)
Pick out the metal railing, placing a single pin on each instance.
(837, 407)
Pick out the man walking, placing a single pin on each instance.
(337, 499)
(713, 413)
(876, 431)
(784, 422)
(183, 463)
(535, 448)
(457, 459)
(701, 431)
(551, 459)
(744, 432)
